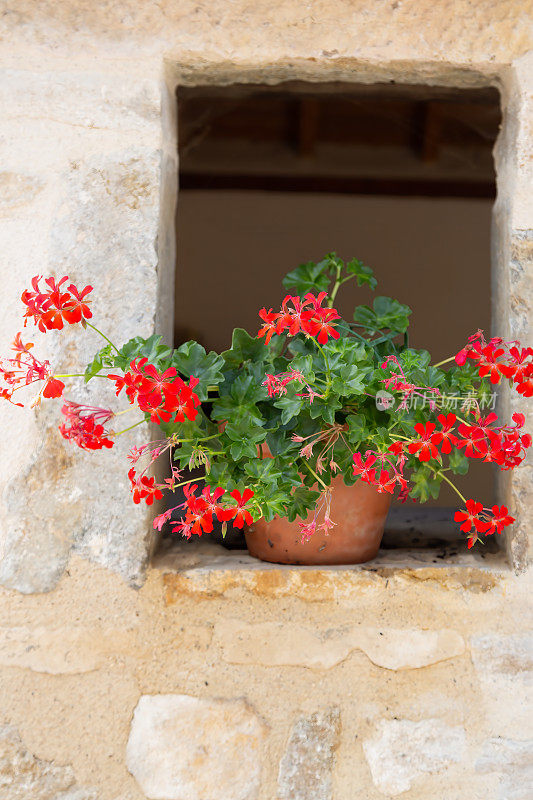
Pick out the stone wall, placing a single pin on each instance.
(248, 686)
(123, 682)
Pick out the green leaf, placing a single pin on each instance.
(426, 485)
(247, 348)
(103, 358)
(228, 408)
(279, 443)
(458, 462)
(386, 314)
(347, 351)
(243, 448)
(363, 275)
(348, 381)
(302, 501)
(309, 277)
(192, 359)
(246, 389)
(325, 409)
(274, 505)
(357, 428)
(151, 349)
(244, 428)
(290, 407)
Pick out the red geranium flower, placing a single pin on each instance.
(239, 513)
(144, 488)
(269, 328)
(445, 437)
(53, 388)
(424, 447)
(364, 468)
(500, 520)
(470, 517)
(49, 308)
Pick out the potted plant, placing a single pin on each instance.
(304, 431)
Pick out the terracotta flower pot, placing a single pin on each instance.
(359, 512)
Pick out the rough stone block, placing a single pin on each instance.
(403, 750)
(187, 748)
(25, 777)
(283, 644)
(503, 657)
(306, 767)
(513, 762)
(61, 651)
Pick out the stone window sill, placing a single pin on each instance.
(205, 569)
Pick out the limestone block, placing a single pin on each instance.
(61, 651)
(306, 766)
(283, 644)
(17, 189)
(504, 657)
(25, 777)
(403, 750)
(104, 233)
(504, 667)
(67, 114)
(455, 31)
(187, 748)
(512, 761)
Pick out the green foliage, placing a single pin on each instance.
(386, 314)
(191, 359)
(308, 277)
(363, 275)
(313, 423)
(311, 277)
(426, 484)
(156, 353)
(458, 462)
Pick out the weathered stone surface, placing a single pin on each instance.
(25, 777)
(107, 214)
(306, 767)
(504, 657)
(61, 651)
(205, 570)
(467, 38)
(187, 748)
(89, 100)
(504, 673)
(35, 535)
(17, 189)
(403, 750)
(277, 644)
(512, 761)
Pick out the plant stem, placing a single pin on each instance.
(129, 429)
(191, 480)
(205, 439)
(328, 370)
(311, 470)
(77, 375)
(102, 334)
(338, 283)
(444, 477)
(335, 288)
(446, 361)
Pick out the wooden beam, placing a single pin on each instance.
(395, 187)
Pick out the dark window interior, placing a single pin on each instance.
(400, 176)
